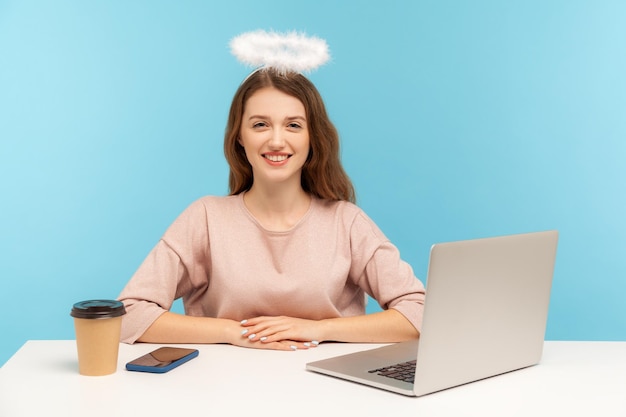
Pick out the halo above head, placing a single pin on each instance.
(284, 52)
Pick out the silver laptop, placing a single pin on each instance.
(485, 314)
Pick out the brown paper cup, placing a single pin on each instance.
(97, 324)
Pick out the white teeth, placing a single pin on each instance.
(276, 158)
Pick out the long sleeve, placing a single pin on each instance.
(378, 269)
(176, 267)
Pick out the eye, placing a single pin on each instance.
(294, 125)
(259, 125)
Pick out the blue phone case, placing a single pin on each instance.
(145, 362)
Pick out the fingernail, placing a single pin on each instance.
(243, 321)
(252, 336)
(293, 347)
(244, 331)
(307, 344)
(315, 342)
(263, 339)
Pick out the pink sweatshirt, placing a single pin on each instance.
(224, 264)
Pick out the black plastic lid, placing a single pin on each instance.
(98, 309)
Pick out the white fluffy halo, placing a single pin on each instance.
(282, 51)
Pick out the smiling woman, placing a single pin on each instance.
(322, 174)
(287, 259)
(274, 134)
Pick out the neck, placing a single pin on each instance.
(277, 209)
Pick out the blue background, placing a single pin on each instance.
(459, 119)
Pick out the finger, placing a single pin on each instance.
(257, 320)
(257, 326)
(281, 345)
(283, 335)
(293, 345)
(273, 332)
(257, 332)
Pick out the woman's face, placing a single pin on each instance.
(274, 133)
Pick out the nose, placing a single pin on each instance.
(277, 140)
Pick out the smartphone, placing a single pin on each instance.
(162, 360)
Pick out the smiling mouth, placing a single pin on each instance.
(276, 158)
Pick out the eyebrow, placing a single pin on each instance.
(260, 116)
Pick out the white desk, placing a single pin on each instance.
(574, 379)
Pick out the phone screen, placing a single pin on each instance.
(162, 359)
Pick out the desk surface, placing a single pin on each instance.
(573, 379)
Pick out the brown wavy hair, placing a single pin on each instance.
(322, 174)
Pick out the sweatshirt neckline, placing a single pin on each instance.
(302, 220)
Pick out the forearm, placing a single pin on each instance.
(177, 328)
(382, 327)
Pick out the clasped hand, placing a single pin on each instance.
(280, 333)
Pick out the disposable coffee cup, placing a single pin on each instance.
(98, 324)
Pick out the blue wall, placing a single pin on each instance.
(459, 120)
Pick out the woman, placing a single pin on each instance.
(286, 260)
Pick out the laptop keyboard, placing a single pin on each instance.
(404, 371)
